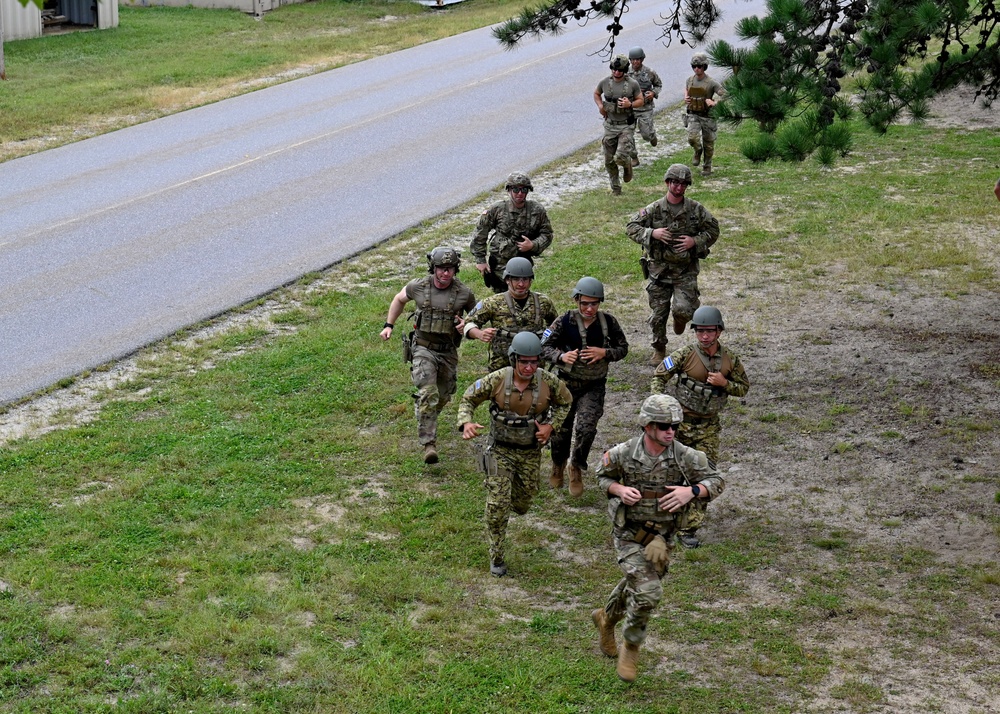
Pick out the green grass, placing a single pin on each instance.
(247, 525)
(161, 59)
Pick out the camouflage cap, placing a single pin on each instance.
(518, 178)
(443, 257)
(678, 172)
(660, 408)
(620, 64)
(699, 58)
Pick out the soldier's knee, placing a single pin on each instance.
(648, 594)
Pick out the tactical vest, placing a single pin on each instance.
(580, 372)
(510, 428)
(436, 324)
(510, 227)
(504, 335)
(694, 392)
(698, 95)
(645, 84)
(660, 254)
(613, 91)
(665, 473)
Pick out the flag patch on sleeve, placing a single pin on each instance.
(668, 364)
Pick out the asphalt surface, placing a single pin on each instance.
(113, 243)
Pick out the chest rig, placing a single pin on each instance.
(510, 428)
(436, 325)
(580, 372)
(694, 392)
(510, 227)
(520, 321)
(651, 483)
(661, 256)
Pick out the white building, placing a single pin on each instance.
(22, 22)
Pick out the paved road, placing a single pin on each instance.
(112, 243)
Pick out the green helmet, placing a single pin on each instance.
(699, 58)
(591, 287)
(636, 53)
(518, 178)
(660, 408)
(678, 172)
(443, 257)
(524, 344)
(518, 267)
(707, 316)
(620, 64)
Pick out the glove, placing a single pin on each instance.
(658, 554)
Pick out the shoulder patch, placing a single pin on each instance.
(668, 364)
(478, 384)
(479, 306)
(606, 459)
(643, 213)
(545, 335)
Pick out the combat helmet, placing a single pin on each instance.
(678, 172)
(590, 287)
(518, 178)
(660, 408)
(620, 64)
(699, 58)
(518, 267)
(707, 316)
(524, 344)
(443, 257)
(636, 53)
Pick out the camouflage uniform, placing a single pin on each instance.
(512, 468)
(498, 232)
(701, 401)
(619, 126)
(586, 382)
(434, 347)
(701, 127)
(672, 276)
(638, 593)
(504, 313)
(649, 81)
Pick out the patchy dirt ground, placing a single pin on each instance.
(872, 409)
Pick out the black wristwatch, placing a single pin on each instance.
(696, 490)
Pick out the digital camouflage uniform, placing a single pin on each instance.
(586, 382)
(638, 593)
(673, 277)
(649, 81)
(434, 366)
(700, 401)
(500, 229)
(511, 458)
(701, 127)
(619, 126)
(504, 313)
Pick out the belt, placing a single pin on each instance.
(616, 123)
(653, 494)
(438, 346)
(520, 447)
(699, 114)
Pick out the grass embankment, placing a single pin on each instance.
(160, 60)
(260, 534)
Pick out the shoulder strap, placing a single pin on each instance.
(580, 326)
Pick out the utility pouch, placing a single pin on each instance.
(644, 262)
(407, 347)
(685, 119)
(631, 118)
(485, 460)
(645, 534)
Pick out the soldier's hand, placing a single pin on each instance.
(677, 497)
(657, 553)
(487, 334)
(683, 243)
(717, 380)
(386, 333)
(629, 496)
(592, 355)
(483, 268)
(662, 235)
(460, 324)
(648, 95)
(543, 432)
(570, 357)
(525, 244)
(470, 430)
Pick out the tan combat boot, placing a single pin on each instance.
(430, 453)
(606, 630)
(556, 477)
(659, 353)
(628, 661)
(575, 480)
(697, 159)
